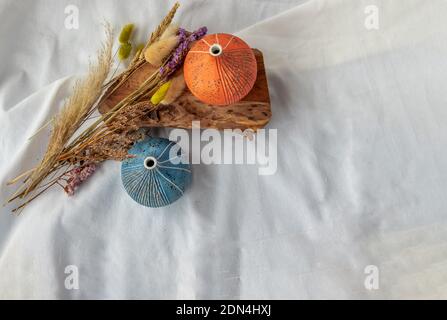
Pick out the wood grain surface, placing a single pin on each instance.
(252, 112)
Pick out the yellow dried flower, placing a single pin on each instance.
(124, 51)
(161, 93)
(126, 33)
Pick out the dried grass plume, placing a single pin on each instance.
(170, 31)
(175, 90)
(158, 51)
(78, 107)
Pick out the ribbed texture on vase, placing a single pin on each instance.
(153, 178)
(220, 69)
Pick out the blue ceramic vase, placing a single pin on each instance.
(153, 178)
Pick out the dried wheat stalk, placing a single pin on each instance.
(75, 111)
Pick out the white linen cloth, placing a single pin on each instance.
(362, 165)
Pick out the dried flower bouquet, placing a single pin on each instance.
(72, 155)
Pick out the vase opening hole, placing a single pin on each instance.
(216, 50)
(150, 163)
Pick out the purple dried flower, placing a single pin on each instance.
(199, 33)
(182, 34)
(76, 176)
(182, 49)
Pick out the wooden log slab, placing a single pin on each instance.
(252, 112)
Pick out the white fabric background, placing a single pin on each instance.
(362, 171)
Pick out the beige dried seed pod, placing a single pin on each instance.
(171, 30)
(158, 51)
(175, 90)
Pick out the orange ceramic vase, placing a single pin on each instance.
(220, 69)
